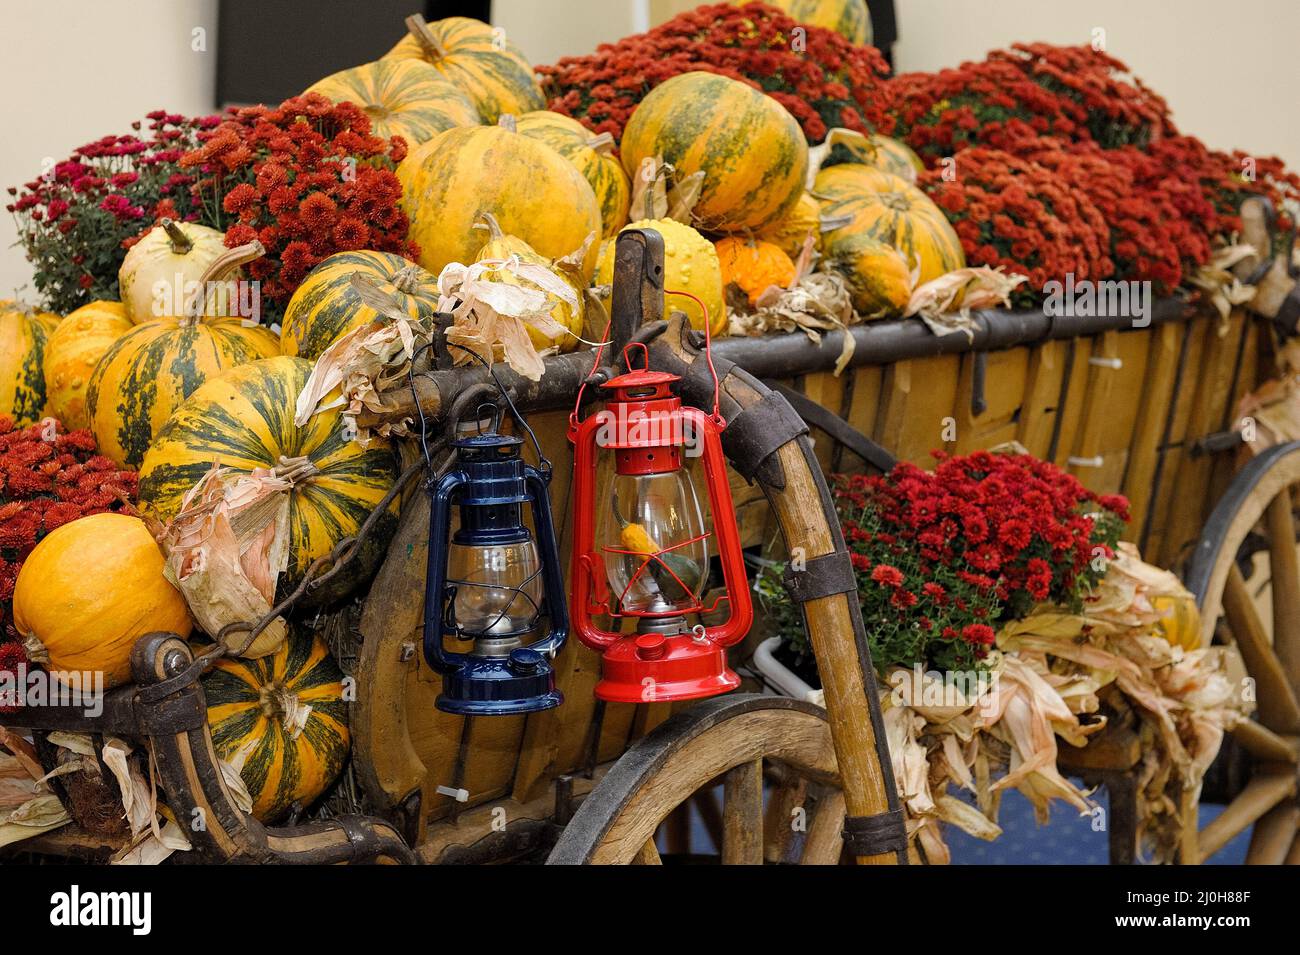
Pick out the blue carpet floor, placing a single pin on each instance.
(1066, 839)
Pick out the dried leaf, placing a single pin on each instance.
(945, 303)
(138, 802)
(39, 814)
(228, 544)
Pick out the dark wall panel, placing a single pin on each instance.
(269, 50)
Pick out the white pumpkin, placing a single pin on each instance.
(173, 252)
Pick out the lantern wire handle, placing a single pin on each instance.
(543, 464)
(708, 355)
(595, 363)
(424, 429)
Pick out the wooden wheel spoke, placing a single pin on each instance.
(1273, 834)
(1278, 708)
(1264, 791)
(789, 795)
(825, 843)
(1285, 569)
(649, 854)
(1293, 857)
(742, 815)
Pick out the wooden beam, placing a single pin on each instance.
(824, 842)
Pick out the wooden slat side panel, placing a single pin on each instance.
(1159, 371)
(917, 399)
(1042, 393)
(1188, 502)
(1005, 376)
(1070, 413)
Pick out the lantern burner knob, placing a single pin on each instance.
(650, 646)
(524, 661)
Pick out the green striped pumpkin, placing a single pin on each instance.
(250, 703)
(23, 334)
(592, 155)
(244, 420)
(406, 98)
(155, 366)
(882, 206)
(478, 59)
(750, 149)
(326, 306)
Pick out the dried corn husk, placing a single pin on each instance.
(491, 318)
(27, 807)
(1224, 290)
(945, 303)
(228, 545)
(1051, 669)
(658, 194)
(357, 369)
(818, 302)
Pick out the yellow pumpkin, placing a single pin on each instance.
(89, 590)
(501, 247)
(534, 193)
(1180, 619)
(173, 253)
(24, 332)
(72, 352)
(851, 19)
(151, 369)
(478, 59)
(751, 151)
(884, 207)
(753, 265)
(690, 265)
(592, 154)
(406, 98)
(791, 230)
(878, 277)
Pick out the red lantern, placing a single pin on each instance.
(641, 544)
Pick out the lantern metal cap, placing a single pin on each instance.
(523, 682)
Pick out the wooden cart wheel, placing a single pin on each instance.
(1245, 575)
(738, 741)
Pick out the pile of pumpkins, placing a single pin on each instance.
(170, 387)
(481, 142)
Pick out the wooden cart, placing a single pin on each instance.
(1144, 411)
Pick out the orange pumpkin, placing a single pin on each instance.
(753, 265)
(89, 590)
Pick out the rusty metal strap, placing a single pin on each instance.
(876, 835)
(753, 435)
(823, 576)
(1288, 316)
(840, 430)
(177, 714)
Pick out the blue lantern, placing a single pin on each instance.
(491, 582)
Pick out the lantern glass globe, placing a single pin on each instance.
(651, 533)
(498, 593)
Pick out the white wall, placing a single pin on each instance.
(80, 69)
(1230, 72)
(549, 29)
